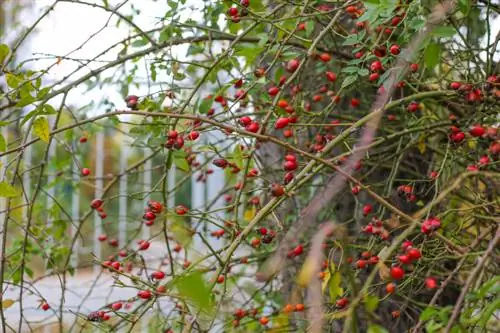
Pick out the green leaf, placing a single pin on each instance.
(4, 51)
(165, 34)
(487, 312)
(363, 72)
(464, 6)
(416, 23)
(41, 128)
(3, 144)
(8, 191)
(194, 289)
(371, 303)
(205, 105)
(444, 31)
(350, 70)
(140, 42)
(12, 80)
(180, 161)
(432, 55)
(334, 288)
(349, 80)
(428, 313)
(376, 329)
(309, 27)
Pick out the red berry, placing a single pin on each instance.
(404, 259)
(143, 245)
(390, 288)
(355, 190)
(155, 206)
(45, 306)
(149, 216)
(273, 91)
(281, 123)
(477, 131)
(331, 76)
(431, 283)
(116, 306)
(277, 190)
(290, 165)
(397, 273)
(455, 85)
(298, 250)
(376, 66)
(361, 263)
(245, 3)
(220, 279)
(292, 65)
(413, 107)
(221, 163)
(414, 67)
(355, 102)
(102, 238)
(85, 172)
(373, 76)
(264, 320)
(158, 275)
(367, 209)
(83, 139)
(144, 294)
(325, 57)
(253, 127)
(342, 303)
(193, 135)
(181, 210)
(245, 121)
(414, 254)
(395, 49)
(96, 203)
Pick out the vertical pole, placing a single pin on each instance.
(75, 210)
(99, 173)
(147, 188)
(3, 203)
(51, 188)
(122, 224)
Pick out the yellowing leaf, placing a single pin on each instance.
(181, 234)
(279, 323)
(421, 144)
(334, 286)
(7, 303)
(250, 212)
(8, 191)
(41, 128)
(325, 281)
(306, 273)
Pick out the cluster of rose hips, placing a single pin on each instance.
(376, 228)
(406, 191)
(153, 208)
(176, 141)
(430, 224)
(474, 94)
(366, 259)
(97, 205)
(240, 313)
(223, 164)
(265, 236)
(235, 14)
